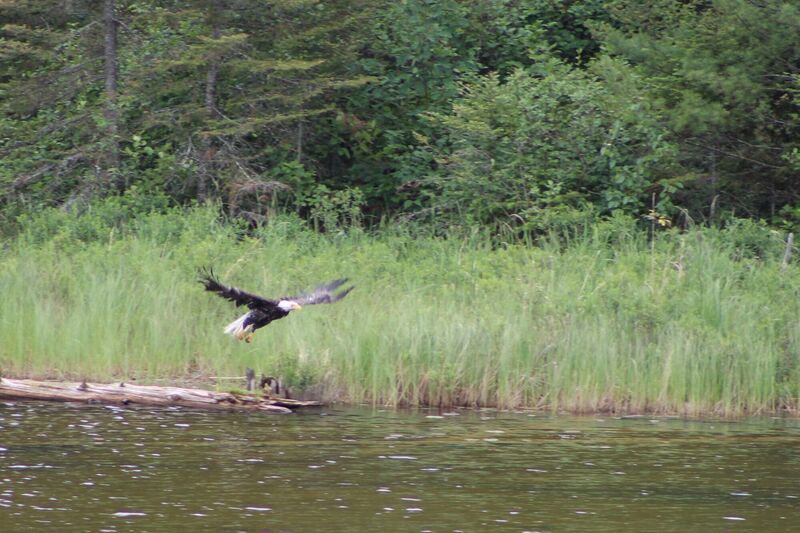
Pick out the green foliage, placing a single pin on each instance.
(724, 75)
(334, 210)
(517, 116)
(566, 26)
(101, 219)
(421, 52)
(211, 94)
(543, 144)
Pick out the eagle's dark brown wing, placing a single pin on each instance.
(324, 294)
(237, 296)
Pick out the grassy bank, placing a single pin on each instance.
(694, 322)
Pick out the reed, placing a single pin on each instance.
(692, 322)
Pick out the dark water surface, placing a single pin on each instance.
(91, 468)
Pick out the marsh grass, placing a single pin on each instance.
(700, 321)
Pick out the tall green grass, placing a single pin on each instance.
(700, 321)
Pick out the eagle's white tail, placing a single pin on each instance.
(237, 329)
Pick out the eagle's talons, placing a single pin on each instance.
(248, 338)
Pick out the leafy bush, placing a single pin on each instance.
(532, 150)
(334, 210)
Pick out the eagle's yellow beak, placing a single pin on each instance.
(296, 306)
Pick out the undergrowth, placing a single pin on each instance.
(704, 320)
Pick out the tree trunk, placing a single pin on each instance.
(209, 150)
(787, 253)
(300, 141)
(211, 78)
(112, 157)
(714, 185)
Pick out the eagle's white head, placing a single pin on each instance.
(289, 305)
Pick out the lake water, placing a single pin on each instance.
(106, 469)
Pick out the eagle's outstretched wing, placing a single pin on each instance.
(238, 296)
(324, 294)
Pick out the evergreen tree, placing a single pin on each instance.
(52, 57)
(725, 74)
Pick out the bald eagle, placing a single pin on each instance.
(263, 310)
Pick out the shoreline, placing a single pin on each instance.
(232, 395)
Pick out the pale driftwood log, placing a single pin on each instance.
(127, 394)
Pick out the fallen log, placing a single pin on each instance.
(128, 394)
